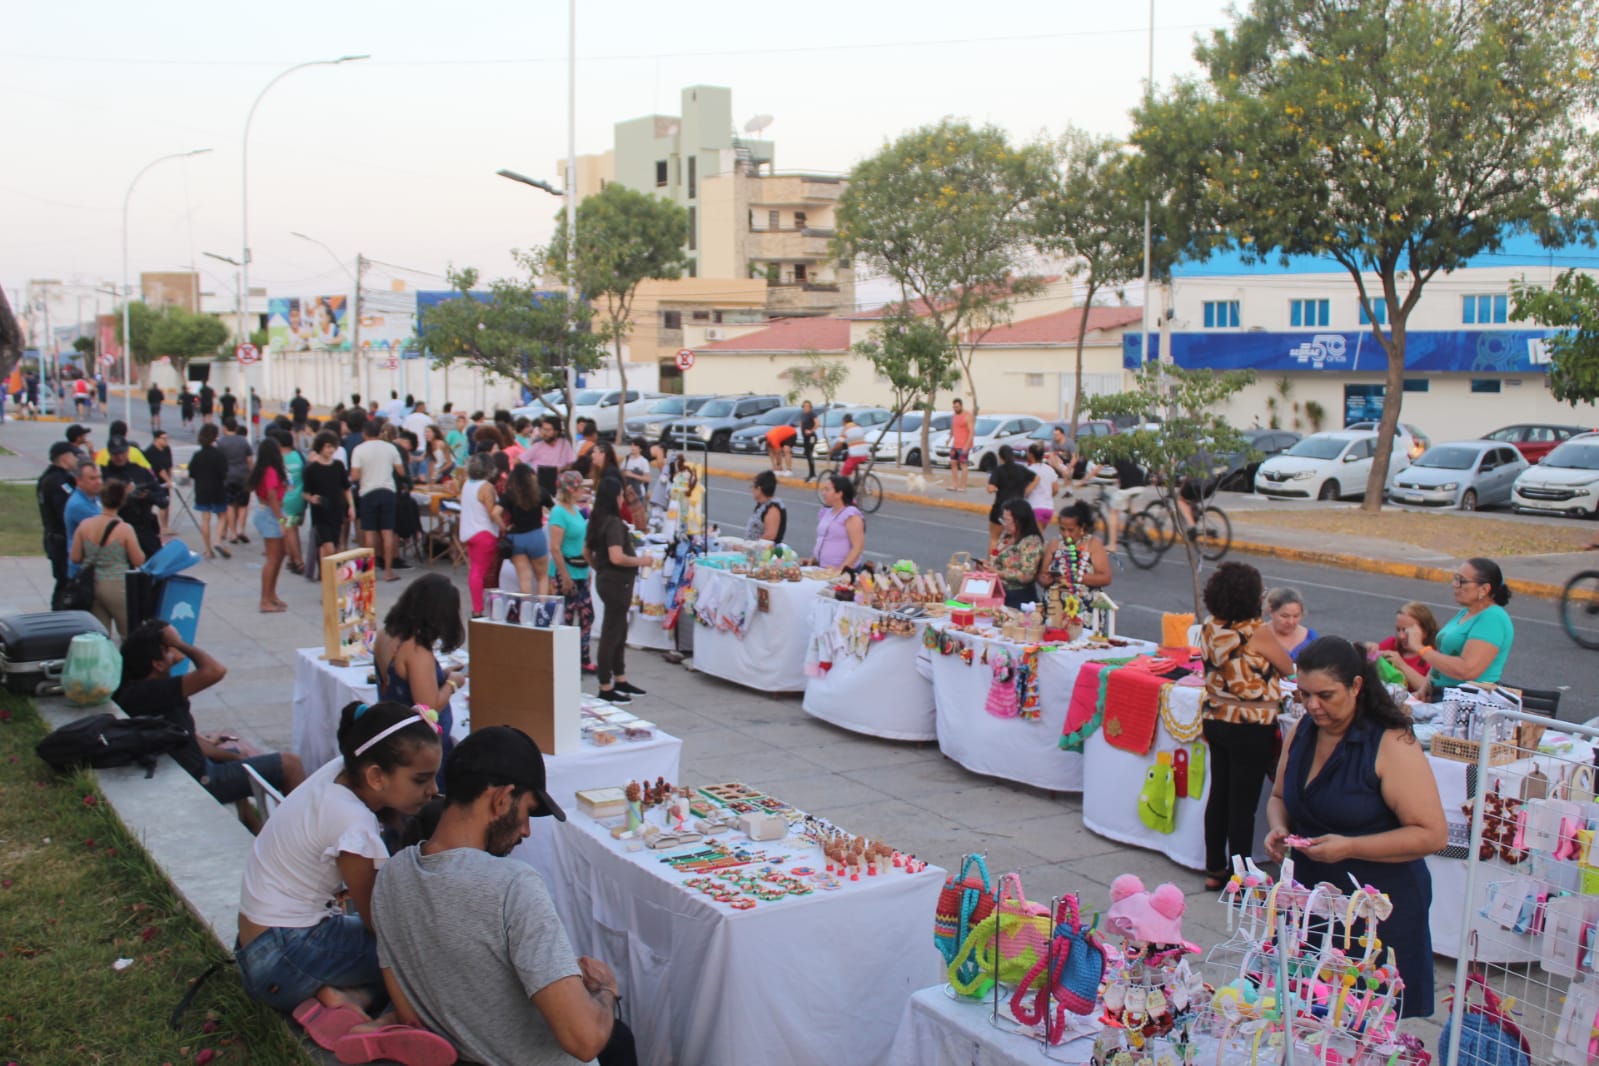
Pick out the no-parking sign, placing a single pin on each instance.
(247, 353)
(685, 358)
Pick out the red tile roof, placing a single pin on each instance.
(1061, 327)
(790, 335)
(922, 307)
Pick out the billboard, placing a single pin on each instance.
(1480, 351)
(309, 323)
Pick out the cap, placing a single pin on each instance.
(75, 431)
(500, 755)
(117, 446)
(60, 448)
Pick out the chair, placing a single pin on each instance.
(1545, 701)
(263, 796)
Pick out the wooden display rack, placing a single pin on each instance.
(337, 621)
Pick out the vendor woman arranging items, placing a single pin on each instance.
(840, 526)
(1243, 664)
(1474, 644)
(1354, 779)
(1020, 547)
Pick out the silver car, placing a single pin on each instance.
(1467, 474)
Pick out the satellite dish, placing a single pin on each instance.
(758, 123)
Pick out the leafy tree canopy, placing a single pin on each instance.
(822, 376)
(179, 335)
(917, 360)
(1571, 305)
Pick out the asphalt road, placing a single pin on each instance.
(1353, 604)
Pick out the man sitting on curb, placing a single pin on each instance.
(149, 689)
(491, 940)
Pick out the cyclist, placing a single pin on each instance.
(1130, 481)
(852, 437)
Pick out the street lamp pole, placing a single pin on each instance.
(244, 184)
(127, 286)
(571, 208)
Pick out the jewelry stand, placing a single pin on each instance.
(349, 606)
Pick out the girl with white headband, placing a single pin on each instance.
(299, 948)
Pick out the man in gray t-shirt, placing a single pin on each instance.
(235, 448)
(470, 944)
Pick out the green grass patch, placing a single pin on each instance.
(78, 893)
(6, 451)
(20, 531)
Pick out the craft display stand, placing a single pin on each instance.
(349, 606)
(528, 678)
(1533, 822)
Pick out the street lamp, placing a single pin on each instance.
(127, 286)
(244, 182)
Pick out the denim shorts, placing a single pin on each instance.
(285, 966)
(266, 523)
(535, 544)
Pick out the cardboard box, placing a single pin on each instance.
(527, 678)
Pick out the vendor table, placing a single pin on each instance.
(937, 1028)
(814, 979)
(880, 694)
(644, 618)
(763, 650)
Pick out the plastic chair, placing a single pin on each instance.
(263, 796)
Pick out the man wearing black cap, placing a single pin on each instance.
(145, 494)
(467, 939)
(53, 489)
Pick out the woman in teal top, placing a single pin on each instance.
(293, 499)
(1475, 643)
(569, 571)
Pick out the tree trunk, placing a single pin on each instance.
(927, 426)
(621, 399)
(1082, 330)
(1393, 397)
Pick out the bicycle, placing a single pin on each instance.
(1152, 531)
(868, 489)
(1579, 609)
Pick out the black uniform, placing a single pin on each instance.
(208, 397)
(145, 494)
(229, 404)
(186, 406)
(53, 489)
(299, 411)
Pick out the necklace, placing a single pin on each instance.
(1182, 732)
(1076, 563)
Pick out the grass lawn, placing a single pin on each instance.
(6, 451)
(78, 893)
(20, 532)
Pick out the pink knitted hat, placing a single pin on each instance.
(1153, 917)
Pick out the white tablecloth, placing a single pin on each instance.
(643, 630)
(770, 656)
(1025, 751)
(817, 979)
(882, 695)
(938, 1030)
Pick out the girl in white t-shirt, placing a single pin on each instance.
(298, 949)
(1042, 498)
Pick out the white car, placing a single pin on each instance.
(1566, 481)
(1324, 466)
(988, 433)
(599, 404)
(1407, 438)
(902, 443)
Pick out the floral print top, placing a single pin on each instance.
(1017, 563)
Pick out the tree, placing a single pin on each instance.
(1572, 306)
(624, 237)
(917, 360)
(83, 345)
(513, 331)
(10, 336)
(818, 375)
(1191, 432)
(1092, 212)
(943, 213)
(183, 335)
(142, 319)
(1398, 138)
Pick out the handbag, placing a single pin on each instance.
(1487, 1035)
(78, 592)
(965, 900)
(1070, 974)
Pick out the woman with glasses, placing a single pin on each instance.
(1474, 644)
(1354, 780)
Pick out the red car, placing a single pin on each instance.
(1534, 440)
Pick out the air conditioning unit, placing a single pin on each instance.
(714, 334)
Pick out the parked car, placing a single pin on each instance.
(1235, 471)
(601, 405)
(714, 423)
(649, 421)
(1535, 439)
(902, 442)
(1324, 466)
(1087, 429)
(751, 440)
(1410, 440)
(988, 433)
(1566, 481)
(830, 427)
(1467, 474)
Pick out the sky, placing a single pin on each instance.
(394, 157)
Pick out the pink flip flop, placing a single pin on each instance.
(405, 1044)
(325, 1024)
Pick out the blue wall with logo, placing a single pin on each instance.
(1479, 351)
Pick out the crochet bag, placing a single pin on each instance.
(965, 900)
(1003, 946)
(1070, 974)
(1002, 700)
(1487, 1035)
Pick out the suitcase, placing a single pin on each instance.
(33, 648)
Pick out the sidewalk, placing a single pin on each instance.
(1543, 575)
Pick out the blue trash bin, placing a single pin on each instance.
(178, 605)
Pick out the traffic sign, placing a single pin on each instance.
(685, 358)
(108, 360)
(392, 363)
(247, 353)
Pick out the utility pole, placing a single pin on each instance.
(355, 344)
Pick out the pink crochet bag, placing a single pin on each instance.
(1002, 699)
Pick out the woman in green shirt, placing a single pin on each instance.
(1475, 643)
(569, 571)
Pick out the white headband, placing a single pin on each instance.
(395, 728)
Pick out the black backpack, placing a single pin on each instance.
(105, 740)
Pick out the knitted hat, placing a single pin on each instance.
(1152, 917)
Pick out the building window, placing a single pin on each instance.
(1484, 309)
(1310, 314)
(660, 173)
(702, 316)
(716, 316)
(1380, 307)
(1221, 314)
(799, 272)
(1484, 384)
(799, 220)
(671, 320)
(1035, 381)
(693, 219)
(1415, 384)
(773, 220)
(692, 182)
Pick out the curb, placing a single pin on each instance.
(1389, 568)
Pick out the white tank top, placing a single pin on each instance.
(475, 518)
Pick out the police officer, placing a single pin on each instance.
(53, 489)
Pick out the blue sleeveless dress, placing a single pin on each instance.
(1346, 798)
(396, 688)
